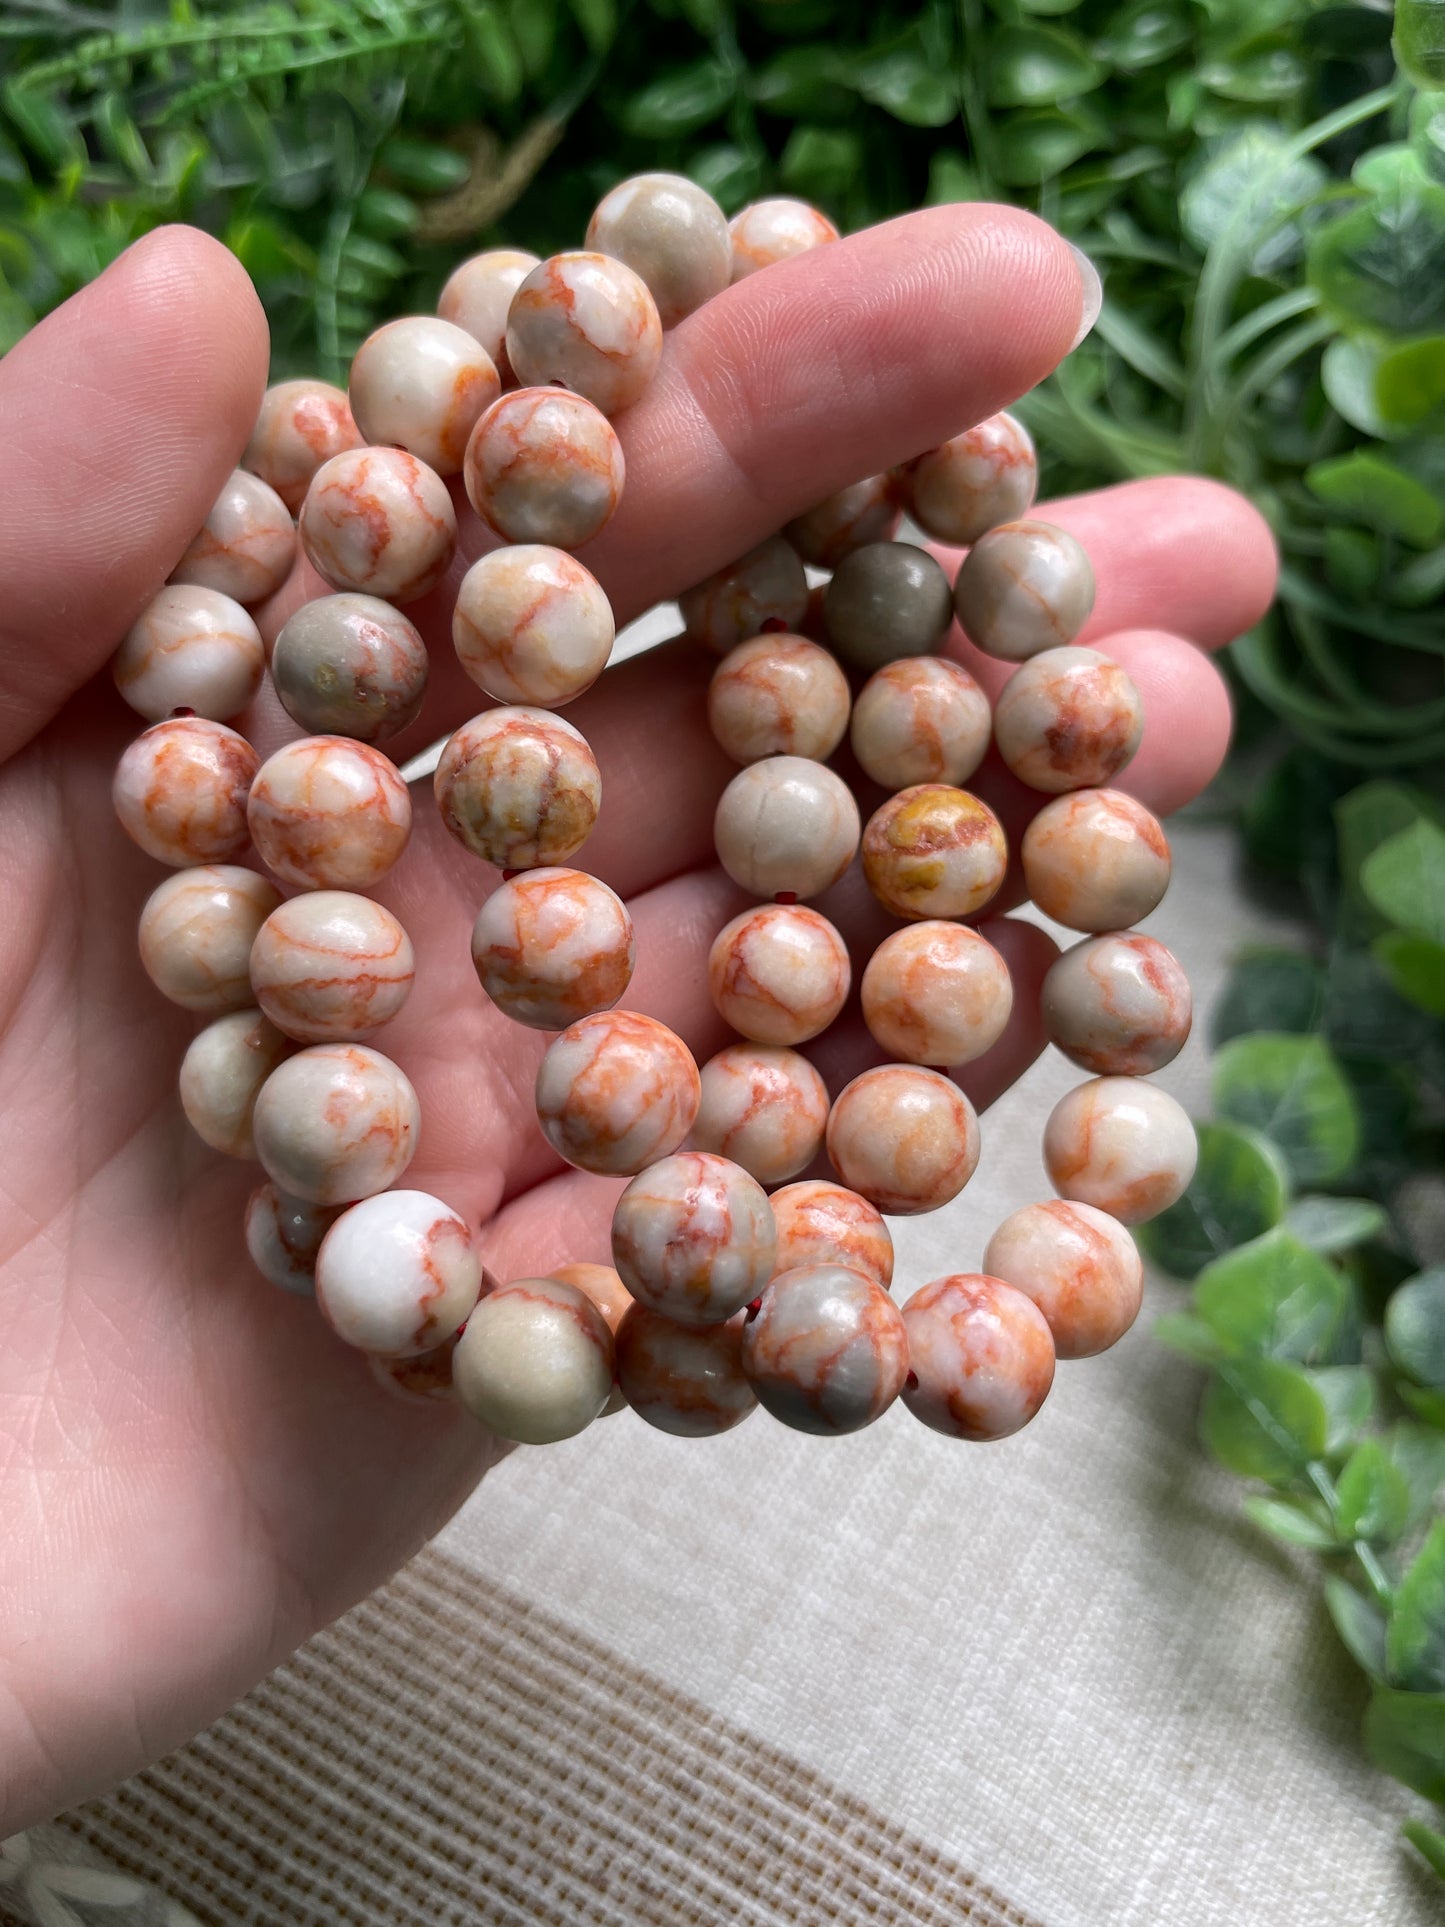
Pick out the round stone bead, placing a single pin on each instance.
(616, 1092)
(886, 600)
(535, 1362)
(779, 974)
(478, 294)
(920, 719)
(786, 826)
(350, 665)
(827, 1352)
(588, 322)
(328, 813)
(331, 967)
(672, 233)
(544, 466)
(553, 946)
(1079, 1266)
(1121, 1145)
(196, 932)
(283, 1236)
(180, 791)
(222, 1073)
(693, 1238)
(1068, 719)
(246, 545)
(765, 1108)
(1118, 1005)
(190, 649)
(301, 424)
(820, 1223)
(379, 521)
(419, 384)
(864, 513)
(936, 993)
(778, 695)
(775, 230)
(520, 788)
(602, 1285)
(397, 1274)
(934, 851)
(904, 1138)
(1024, 587)
(531, 625)
(765, 587)
(1095, 860)
(335, 1123)
(684, 1379)
(980, 1355)
(985, 476)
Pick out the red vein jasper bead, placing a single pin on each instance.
(775, 230)
(283, 1236)
(779, 974)
(1121, 1145)
(820, 1223)
(301, 424)
(588, 322)
(961, 490)
(1118, 1005)
(221, 1076)
(687, 1380)
(478, 294)
(1079, 1266)
(535, 1362)
(196, 932)
(420, 383)
(786, 825)
(531, 625)
(329, 813)
(778, 695)
(765, 586)
(246, 545)
(868, 511)
(180, 791)
(904, 1138)
(934, 851)
(553, 946)
(672, 233)
(1096, 860)
(936, 993)
(920, 719)
(520, 788)
(602, 1285)
(190, 649)
(331, 967)
(827, 1352)
(764, 1107)
(544, 466)
(616, 1092)
(1068, 719)
(379, 521)
(350, 665)
(1024, 587)
(693, 1238)
(397, 1274)
(981, 1357)
(335, 1123)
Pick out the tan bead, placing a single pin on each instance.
(693, 1238)
(1121, 1145)
(934, 851)
(544, 466)
(335, 1123)
(936, 993)
(535, 1362)
(827, 1352)
(904, 1138)
(520, 788)
(283, 1236)
(531, 625)
(553, 946)
(397, 1274)
(221, 1076)
(775, 230)
(778, 695)
(920, 719)
(588, 322)
(379, 521)
(1095, 860)
(1118, 1005)
(328, 813)
(602, 1285)
(980, 1355)
(966, 487)
(684, 1379)
(786, 826)
(180, 791)
(1023, 588)
(301, 425)
(779, 974)
(616, 1092)
(1068, 719)
(331, 967)
(763, 1107)
(820, 1223)
(765, 586)
(190, 649)
(866, 512)
(672, 233)
(1079, 1266)
(246, 545)
(196, 932)
(478, 294)
(419, 384)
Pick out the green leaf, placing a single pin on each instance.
(1404, 879)
(1415, 1641)
(1419, 1452)
(730, 175)
(1144, 35)
(1415, 1327)
(679, 102)
(804, 83)
(1189, 1336)
(1244, 188)
(1334, 1224)
(1294, 1524)
(1348, 1395)
(1420, 41)
(1273, 1296)
(1352, 562)
(1388, 167)
(1367, 817)
(1239, 1190)
(1347, 372)
(1427, 1405)
(1415, 967)
(1292, 1090)
(1382, 265)
(534, 27)
(1370, 489)
(1427, 133)
(1360, 1623)
(1276, 990)
(598, 21)
(1405, 1734)
(1263, 1420)
(1425, 1840)
(1035, 147)
(1410, 383)
(1374, 1495)
(423, 165)
(904, 85)
(819, 162)
(498, 58)
(1039, 66)
(952, 178)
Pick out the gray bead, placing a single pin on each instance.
(887, 600)
(350, 665)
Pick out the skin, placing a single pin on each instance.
(194, 1474)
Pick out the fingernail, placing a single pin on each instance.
(1093, 291)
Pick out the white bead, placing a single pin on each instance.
(397, 1273)
(191, 648)
(223, 1072)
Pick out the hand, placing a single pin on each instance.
(194, 1474)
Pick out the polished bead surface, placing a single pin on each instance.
(531, 625)
(336, 1122)
(764, 1107)
(196, 932)
(934, 851)
(778, 695)
(966, 487)
(684, 1379)
(331, 967)
(936, 993)
(920, 719)
(478, 294)
(1095, 860)
(283, 1236)
(672, 233)
(246, 545)
(866, 512)
(180, 791)
(329, 813)
(519, 787)
(980, 1355)
(779, 974)
(301, 424)
(775, 230)
(602, 1285)
(222, 1072)
(886, 600)
(1121, 1145)
(904, 1138)
(379, 521)
(821, 1223)
(535, 1362)
(765, 586)
(588, 322)
(420, 383)
(350, 665)
(191, 648)
(827, 1352)
(693, 1238)
(1118, 1005)
(1068, 719)
(544, 466)
(786, 825)
(553, 946)
(616, 1092)
(1023, 588)
(1080, 1267)
(397, 1274)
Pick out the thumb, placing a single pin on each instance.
(121, 415)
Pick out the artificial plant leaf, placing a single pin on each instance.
(1410, 383)
(1415, 1639)
(1367, 816)
(905, 85)
(1374, 1495)
(952, 178)
(1415, 967)
(1263, 1420)
(1273, 1296)
(1181, 1332)
(1404, 879)
(1382, 264)
(1144, 35)
(1033, 147)
(1334, 1224)
(1247, 188)
(1415, 1327)
(1405, 1734)
(1285, 1520)
(1419, 1452)
(1347, 374)
(1239, 1189)
(678, 102)
(1268, 989)
(732, 176)
(804, 83)
(1366, 487)
(1037, 66)
(1353, 559)
(819, 162)
(1388, 166)
(1360, 1623)
(1427, 133)
(1426, 1404)
(1425, 1840)
(598, 21)
(1291, 1089)
(1420, 41)
(1348, 1395)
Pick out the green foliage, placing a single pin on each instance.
(1240, 1189)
